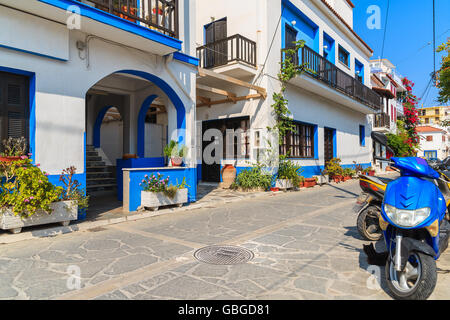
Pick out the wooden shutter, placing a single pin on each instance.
(14, 106)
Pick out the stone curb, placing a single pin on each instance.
(90, 225)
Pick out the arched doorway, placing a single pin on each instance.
(129, 113)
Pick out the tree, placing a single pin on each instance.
(406, 141)
(443, 74)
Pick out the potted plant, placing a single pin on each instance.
(73, 192)
(335, 170)
(323, 178)
(27, 198)
(175, 153)
(288, 174)
(156, 192)
(14, 149)
(302, 182)
(310, 182)
(371, 171)
(347, 173)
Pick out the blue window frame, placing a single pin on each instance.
(430, 154)
(306, 29)
(329, 48)
(362, 136)
(359, 71)
(301, 143)
(344, 56)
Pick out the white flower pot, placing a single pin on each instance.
(63, 212)
(322, 179)
(154, 201)
(283, 184)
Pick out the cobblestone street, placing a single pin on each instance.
(305, 243)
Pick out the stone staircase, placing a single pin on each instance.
(99, 176)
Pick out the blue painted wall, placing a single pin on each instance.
(306, 29)
(175, 177)
(359, 67)
(331, 47)
(135, 164)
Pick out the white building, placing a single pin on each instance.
(389, 84)
(242, 42)
(65, 64)
(434, 142)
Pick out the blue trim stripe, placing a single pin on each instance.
(115, 21)
(186, 58)
(141, 125)
(33, 53)
(98, 125)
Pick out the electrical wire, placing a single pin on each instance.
(270, 49)
(385, 29)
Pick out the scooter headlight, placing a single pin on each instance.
(406, 218)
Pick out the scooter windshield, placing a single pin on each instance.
(415, 167)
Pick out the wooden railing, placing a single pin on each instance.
(235, 48)
(159, 15)
(382, 120)
(322, 69)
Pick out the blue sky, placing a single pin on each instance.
(409, 30)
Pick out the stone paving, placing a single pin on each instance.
(305, 243)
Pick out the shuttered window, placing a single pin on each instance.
(299, 143)
(14, 106)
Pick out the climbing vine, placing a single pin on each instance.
(289, 69)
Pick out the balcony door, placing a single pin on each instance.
(14, 113)
(216, 43)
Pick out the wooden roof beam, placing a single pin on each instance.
(211, 103)
(229, 95)
(208, 73)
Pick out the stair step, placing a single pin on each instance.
(110, 185)
(93, 159)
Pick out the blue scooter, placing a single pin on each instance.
(416, 230)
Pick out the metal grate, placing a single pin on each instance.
(223, 255)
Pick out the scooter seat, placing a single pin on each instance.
(377, 180)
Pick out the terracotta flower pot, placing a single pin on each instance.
(347, 178)
(337, 179)
(176, 161)
(228, 176)
(310, 182)
(274, 189)
(9, 159)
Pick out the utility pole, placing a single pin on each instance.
(434, 41)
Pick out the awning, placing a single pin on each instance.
(382, 139)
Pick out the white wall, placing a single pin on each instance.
(61, 90)
(436, 145)
(111, 140)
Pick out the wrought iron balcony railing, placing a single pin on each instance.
(159, 15)
(235, 48)
(322, 69)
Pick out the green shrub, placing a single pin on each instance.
(289, 170)
(252, 179)
(174, 149)
(27, 189)
(334, 167)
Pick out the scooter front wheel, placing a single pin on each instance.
(368, 225)
(416, 282)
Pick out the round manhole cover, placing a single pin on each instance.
(223, 255)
